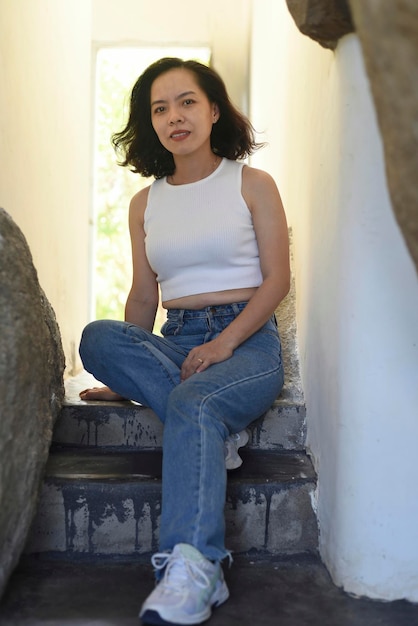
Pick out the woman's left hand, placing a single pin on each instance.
(201, 357)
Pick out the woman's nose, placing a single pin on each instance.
(175, 117)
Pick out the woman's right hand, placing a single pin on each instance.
(100, 393)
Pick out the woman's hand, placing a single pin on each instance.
(201, 357)
(100, 393)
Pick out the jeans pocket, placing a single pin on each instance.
(270, 327)
(170, 328)
(222, 322)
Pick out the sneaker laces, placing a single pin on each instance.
(178, 572)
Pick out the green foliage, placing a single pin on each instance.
(114, 186)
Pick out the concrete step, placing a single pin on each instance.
(294, 591)
(130, 425)
(96, 502)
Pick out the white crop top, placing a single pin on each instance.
(199, 237)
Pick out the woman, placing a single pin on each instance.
(211, 233)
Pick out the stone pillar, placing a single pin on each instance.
(31, 390)
(388, 33)
(325, 21)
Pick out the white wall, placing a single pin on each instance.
(45, 146)
(223, 26)
(357, 303)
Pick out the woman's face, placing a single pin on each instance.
(181, 113)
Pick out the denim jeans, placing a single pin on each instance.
(198, 413)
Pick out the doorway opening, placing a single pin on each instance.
(117, 69)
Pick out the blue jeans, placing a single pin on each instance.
(198, 414)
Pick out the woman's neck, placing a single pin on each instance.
(191, 170)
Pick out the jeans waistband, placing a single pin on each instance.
(216, 310)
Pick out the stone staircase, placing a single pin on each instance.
(86, 561)
(102, 488)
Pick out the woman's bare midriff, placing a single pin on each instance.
(214, 298)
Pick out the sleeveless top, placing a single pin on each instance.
(199, 237)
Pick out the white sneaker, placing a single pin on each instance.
(232, 443)
(190, 587)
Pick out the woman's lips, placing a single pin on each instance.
(178, 135)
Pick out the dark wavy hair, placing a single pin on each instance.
(138, 144)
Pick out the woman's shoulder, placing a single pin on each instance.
(141, 197)
(259, 189)
(139, 202)
(250, 175)
(256, 181)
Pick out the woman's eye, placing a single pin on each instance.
(159, 109)
(188, 101)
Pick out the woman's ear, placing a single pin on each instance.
(216, 113)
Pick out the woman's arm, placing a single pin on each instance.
(142, 302)
(263, 199)
(269, 219)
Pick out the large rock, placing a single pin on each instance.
(388, 33)
(325, 21)
(31, 390)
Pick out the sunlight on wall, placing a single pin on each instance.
(357, 302)
(117, 69)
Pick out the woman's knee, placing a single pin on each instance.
(186, 402)
(95, 338)
(192, 403)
